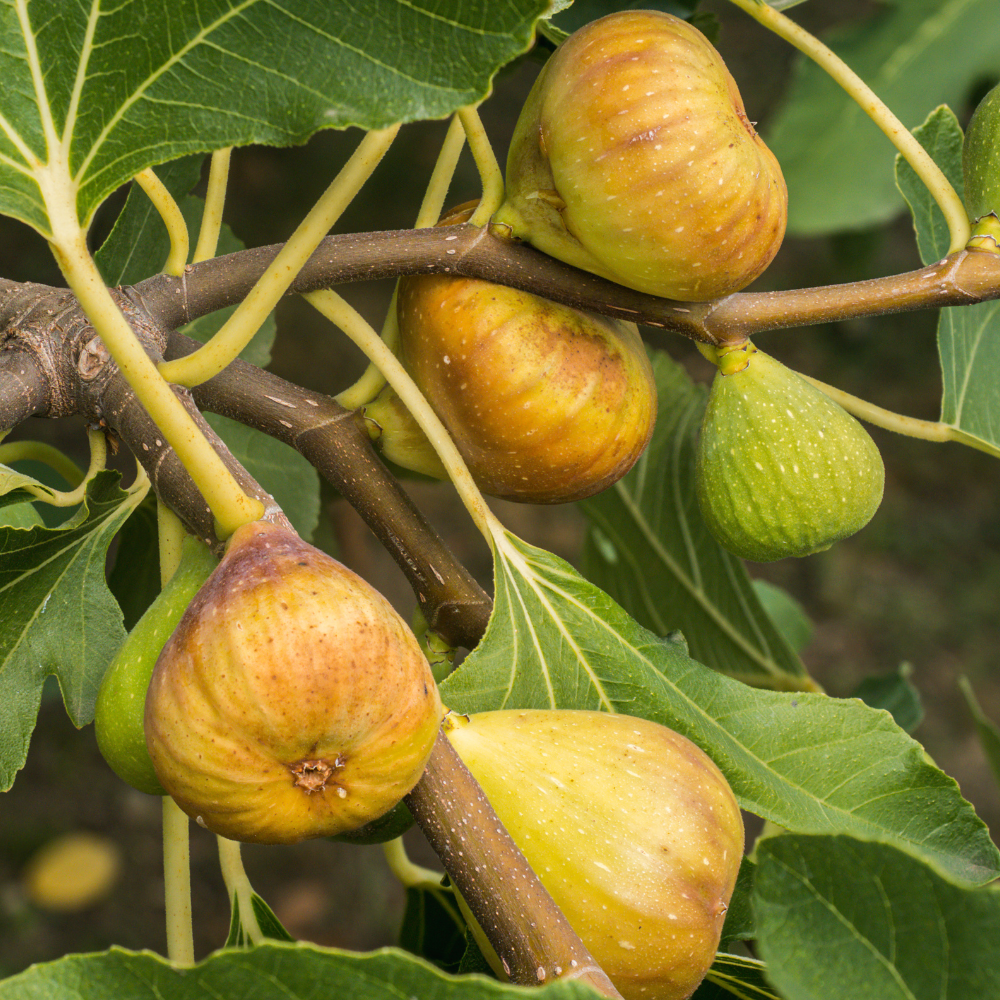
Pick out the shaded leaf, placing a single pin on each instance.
(653, 554)
(896, 695)
(59, 616)
(837, 163)
(273, 971)
(135, 577)
(736, 976)
(968, 336)
(281, 470)
(433, 928)
(807, 762)
(787, 614)
(95, 93)
(739, 917)
(988, 732)
(270, 926)
(874, 921)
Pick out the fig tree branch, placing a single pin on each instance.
(963, 278)
(495, 880)
(332, 440)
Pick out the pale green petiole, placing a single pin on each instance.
(170, 213)
(926, 169)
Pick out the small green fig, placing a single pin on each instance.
(631, 828)
(782, 470)
(546, 403)
(633, 158)
(121, 700)
(291, 701)
(981, 157)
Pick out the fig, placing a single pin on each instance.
(121, 700)
(781, 469)
(546, 403)
(631, 828)
(291, 701)
(981, 157)
(633, 158)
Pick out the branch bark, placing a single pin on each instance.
(966, 277)
(331, 439)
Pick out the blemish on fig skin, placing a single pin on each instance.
(312, 775)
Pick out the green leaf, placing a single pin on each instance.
(58, 615)
(968, 336)
(281, 470)
(138, 244)
(653, 554)
(270, 926)
(941, 136)
(19, 513)
(988, 732)
(735, 976)
(135, 577)
(915, 55)
(872, 920)
(95, 93)
(807, 762)
(433, 927)
(268, 972)
(896, 695)
(787, 614)
(739, 924)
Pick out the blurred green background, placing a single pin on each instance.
(920, 585)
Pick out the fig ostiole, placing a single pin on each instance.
(781, 469)
(121, 700)
(546, 404)
(291, 701)
(633, 158)
(630, 827)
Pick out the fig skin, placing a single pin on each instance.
(631, 828)
(547, 404)
(118, 714)
(981, 158)
(292, 701)
(781, 469)
(633, 158)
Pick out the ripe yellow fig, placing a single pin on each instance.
(546, 403)
(631, 828)
(291, 701)
(633, 158)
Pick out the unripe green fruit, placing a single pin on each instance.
(546, 403)
(122, 698)
(981, 157)
(629, 826)
(292, 701)
(782, 470)
(633, 158)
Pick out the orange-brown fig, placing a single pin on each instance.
(631, 828)
(546, 403)
(292, 701)
(633, 158)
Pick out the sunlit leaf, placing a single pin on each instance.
(58, 615)
(915, 55)
(807, 762)
(653, 554)
(836, 917)
(95, 92)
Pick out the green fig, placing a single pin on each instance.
(782, 470)
(546, 403)
(630, 827)
(291, 701)
(981, 158)
(634, 158)
(121, 699)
